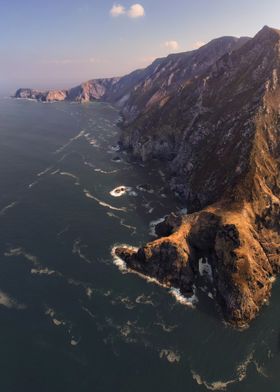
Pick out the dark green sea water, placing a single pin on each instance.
(70, 320)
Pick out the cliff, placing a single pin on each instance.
(212, 115)
(222, 139)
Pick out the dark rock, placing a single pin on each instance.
(171, 223)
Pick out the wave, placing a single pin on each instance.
(9, 302)
(57, 321)
(8, 207)
(180, 298)
(241, 374)
(67, 174)
(121, 264)
(122, 222)
(74, 341)
(98, 170)
(42, 271)
(92, 141)
(77, 250)
(105, 172)
(21, 252)
(78, 136)
(55, 172)
(170, 356)
(102, 203)
(44, 171)
(166, 328)
(144, 300)
(38, 268)
(123, 190)
(153, 224)
(63, 231)
(145, 188)
(120, 191)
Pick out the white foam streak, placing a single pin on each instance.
(181, 299)
(77, 249)
(241, 374)
(44, 171)
(170, 356)
(105, 172)
(122, 222)
(21, 252)
(9, 302)
(33, 184)
(78, 136)
(102, 203)
(67, 174)
(124, 269)
(153, 225)
(8, 207)
(42, 271)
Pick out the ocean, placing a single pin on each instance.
(71, 318)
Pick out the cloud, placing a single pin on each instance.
(171, 45)
(117, 10)
(198, 44)
(135, 11)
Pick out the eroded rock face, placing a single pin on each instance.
(43, 96)
(224, 129)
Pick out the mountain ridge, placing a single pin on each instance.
(114, 89)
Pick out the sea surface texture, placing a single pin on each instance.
(71, 317)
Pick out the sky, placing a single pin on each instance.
(60, 43)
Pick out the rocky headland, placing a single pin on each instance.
(213, 117)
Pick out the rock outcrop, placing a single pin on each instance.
(42, 96)
(224, 127)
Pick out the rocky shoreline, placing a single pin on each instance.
(212, 115)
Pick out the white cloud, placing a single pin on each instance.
(198, 44)
(171, 45)
(117, 10)
(136, 11)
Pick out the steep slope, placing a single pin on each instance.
(93, 90)
(221, 134)
(166, 76)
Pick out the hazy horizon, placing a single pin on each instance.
(60, 44)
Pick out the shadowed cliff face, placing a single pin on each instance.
(226, 142)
